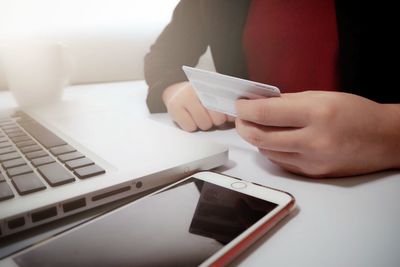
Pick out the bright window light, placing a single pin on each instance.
(43, 16)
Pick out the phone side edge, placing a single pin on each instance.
(252, 237)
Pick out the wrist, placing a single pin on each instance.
(392, 134)
(171, 90)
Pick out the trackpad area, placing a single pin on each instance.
(124, 141)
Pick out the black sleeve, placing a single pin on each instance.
(182, 42)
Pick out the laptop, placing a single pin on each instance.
(63, 159)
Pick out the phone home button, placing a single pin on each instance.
(238, 185)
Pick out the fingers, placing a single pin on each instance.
(183, 119)
(291, 162)
(200, 115)
(187, 111)
(231, 118)
(176, 98)
(270, 138)
(288, 167)
(289, 110)
(173, 91)
(217, 118)
(287, 158)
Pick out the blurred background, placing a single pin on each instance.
(106, 39)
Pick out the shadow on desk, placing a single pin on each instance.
(350, 181)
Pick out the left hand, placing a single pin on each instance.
(186, 110)
(323, 134)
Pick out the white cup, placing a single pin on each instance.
(36, 71)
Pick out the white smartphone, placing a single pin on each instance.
(207, 219)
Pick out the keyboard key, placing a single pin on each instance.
(42, 161)
(9, 156)
(27, 183)
(62, 150)
(21, 138)
(28, 149)
(20, 113)
(70, 156)
(25, 143)
(55, 174)
(36, 154)
(12, 130)
(7, 150)
(5, 191)
(5, 144)
(16, 134)
(11, 172)
(77, 163)
(13, 163)
(89, 171)
(42, 135)
(25, 120)
(22, 117)
(7, 126)
(2, 178)
(5, 121)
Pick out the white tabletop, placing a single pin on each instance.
(350, 221)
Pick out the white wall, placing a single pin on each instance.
(107, 39)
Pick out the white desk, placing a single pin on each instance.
(339, 222)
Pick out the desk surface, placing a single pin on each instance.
(339, 222)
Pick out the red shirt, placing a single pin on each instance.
(292, 44)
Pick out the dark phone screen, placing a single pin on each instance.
(180, 226)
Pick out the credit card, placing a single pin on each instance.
(219, 92)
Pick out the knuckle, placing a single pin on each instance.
(221, 120)
(325, 112)
(219, 123)
(205, 125)
(322, 145)
(261, 113)
(189, 128)
(255, 138)
(218, 119)
(173, 106)
(293, 143)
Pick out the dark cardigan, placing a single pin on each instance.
(219, 24)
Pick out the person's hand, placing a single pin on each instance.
(186, 110)
(323, 134)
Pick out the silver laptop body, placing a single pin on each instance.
(136, 153)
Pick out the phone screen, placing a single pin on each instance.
(179, 226)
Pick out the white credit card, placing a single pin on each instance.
(219, 92)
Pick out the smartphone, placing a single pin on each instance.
(207, 219)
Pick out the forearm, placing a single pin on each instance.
(182, 42)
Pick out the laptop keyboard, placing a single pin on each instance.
(32, 158)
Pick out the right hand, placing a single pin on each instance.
(187, 111)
